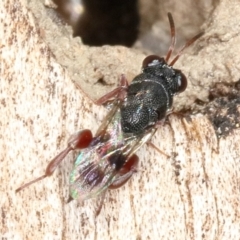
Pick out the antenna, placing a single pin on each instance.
(173, 37)
(187, 44)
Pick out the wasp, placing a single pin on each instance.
(108, 159)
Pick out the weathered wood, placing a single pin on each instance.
(41, 107)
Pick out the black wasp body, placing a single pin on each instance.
(108, 160)
(150, 95)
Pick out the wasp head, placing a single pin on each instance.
(174, 79)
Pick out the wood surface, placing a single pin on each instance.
(41, 106)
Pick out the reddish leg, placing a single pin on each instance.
(120, 92)
(79, 140)
(124, 175)
(126, 172)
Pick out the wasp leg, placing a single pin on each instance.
(100, 203)
(177, 114)
(77, 141)
(123, 176)
(126, 172)
(150, 144)
(120, 92)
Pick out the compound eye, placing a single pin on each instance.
(152, 60)
(182, 82)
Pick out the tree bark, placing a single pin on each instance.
(190, 192)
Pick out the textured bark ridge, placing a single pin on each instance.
(192, 192)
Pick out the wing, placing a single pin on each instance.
(99, 165)
(91, 174)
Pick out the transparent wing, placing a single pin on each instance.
(91, 175)
(98, 166)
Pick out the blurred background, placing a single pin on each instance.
(137, 23)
